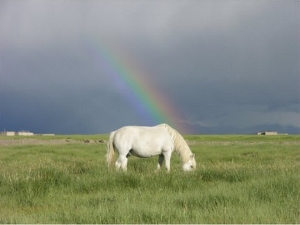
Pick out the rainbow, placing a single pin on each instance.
(135, 85)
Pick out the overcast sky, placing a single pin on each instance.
(227, 66)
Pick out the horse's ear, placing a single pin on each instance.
(192, 156)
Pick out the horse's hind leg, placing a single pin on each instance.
(118, 165)
(122, 162)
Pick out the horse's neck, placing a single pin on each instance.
(181, 147)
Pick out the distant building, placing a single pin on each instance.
(21, 133)
(25, 133)
(48, 134)
(8, 133)
(267, 133)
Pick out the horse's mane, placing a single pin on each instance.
(180, 145)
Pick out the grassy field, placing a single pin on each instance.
(64, 179)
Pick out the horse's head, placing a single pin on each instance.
(190, 164)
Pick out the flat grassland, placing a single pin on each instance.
(64, 179)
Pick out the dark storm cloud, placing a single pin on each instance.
(230, 66)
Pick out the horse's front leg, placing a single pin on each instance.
(167, 157)
(160, 161)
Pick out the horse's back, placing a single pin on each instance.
(141, 133)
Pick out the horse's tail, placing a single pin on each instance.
(110, 151)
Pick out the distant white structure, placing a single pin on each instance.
(24, 133)
(267, 133)
(8, 133)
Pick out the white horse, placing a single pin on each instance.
(145, 142)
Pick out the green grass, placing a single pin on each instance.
(239, 179)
